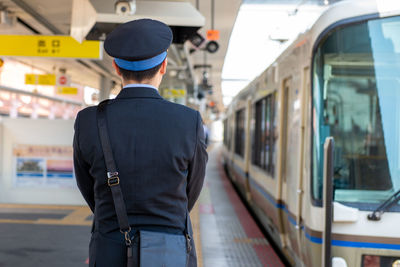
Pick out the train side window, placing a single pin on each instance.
(240, 132)
(230, 133)
(256, 140)
(226, 133)
(264, 137)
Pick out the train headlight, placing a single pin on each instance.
(377, 261)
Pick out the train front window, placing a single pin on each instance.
(356, 91)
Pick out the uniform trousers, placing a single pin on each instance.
(109, 250)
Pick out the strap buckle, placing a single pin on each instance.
(188, 245)
(128, 241)
(112, 178)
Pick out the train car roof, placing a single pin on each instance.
(349, 10)
(344, 11)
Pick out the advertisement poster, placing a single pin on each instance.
(43, 166)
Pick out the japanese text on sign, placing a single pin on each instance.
(40, 79)
(48, 46)
(67, 90)
(174, 93)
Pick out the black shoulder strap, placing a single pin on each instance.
(113, 178)
(112, 173)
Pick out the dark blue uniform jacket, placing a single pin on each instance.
(160, 153)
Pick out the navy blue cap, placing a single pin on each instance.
(139, 44)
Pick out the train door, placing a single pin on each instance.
(304, 160)
(290, 160)
(248, 147)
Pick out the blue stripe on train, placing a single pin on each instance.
(314, 239)
(317, 240)
(342, 243)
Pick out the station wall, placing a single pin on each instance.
(36, 162)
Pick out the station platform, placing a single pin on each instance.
(224, 232)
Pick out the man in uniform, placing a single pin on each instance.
(158, 147)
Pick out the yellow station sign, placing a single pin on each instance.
(176, 93)
(40, 79)
(49, 46)
(67, 90)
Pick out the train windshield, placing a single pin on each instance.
(356, 99)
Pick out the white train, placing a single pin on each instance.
(341, 79)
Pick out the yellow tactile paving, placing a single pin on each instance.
(76, 217)
(38, 206)
(17, 221)
(80, 213)
(195, 218)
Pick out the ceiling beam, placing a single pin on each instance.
(28, 9)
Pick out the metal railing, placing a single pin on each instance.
(56, 107)
(51, 98)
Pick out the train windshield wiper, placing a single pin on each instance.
(376, 214)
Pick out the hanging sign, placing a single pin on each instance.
(40, 79)
(49, 46)
(63, 80)
(63, 90)
(30, 79)
(168, 93)
(213, 35)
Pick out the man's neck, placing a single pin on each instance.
(148, 82)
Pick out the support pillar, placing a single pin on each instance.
(105, 88)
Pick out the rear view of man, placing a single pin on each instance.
(158, 148)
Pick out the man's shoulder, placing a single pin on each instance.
(179, 108)
(87, 112)
(92, 110)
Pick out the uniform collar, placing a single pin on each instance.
(139, 91)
